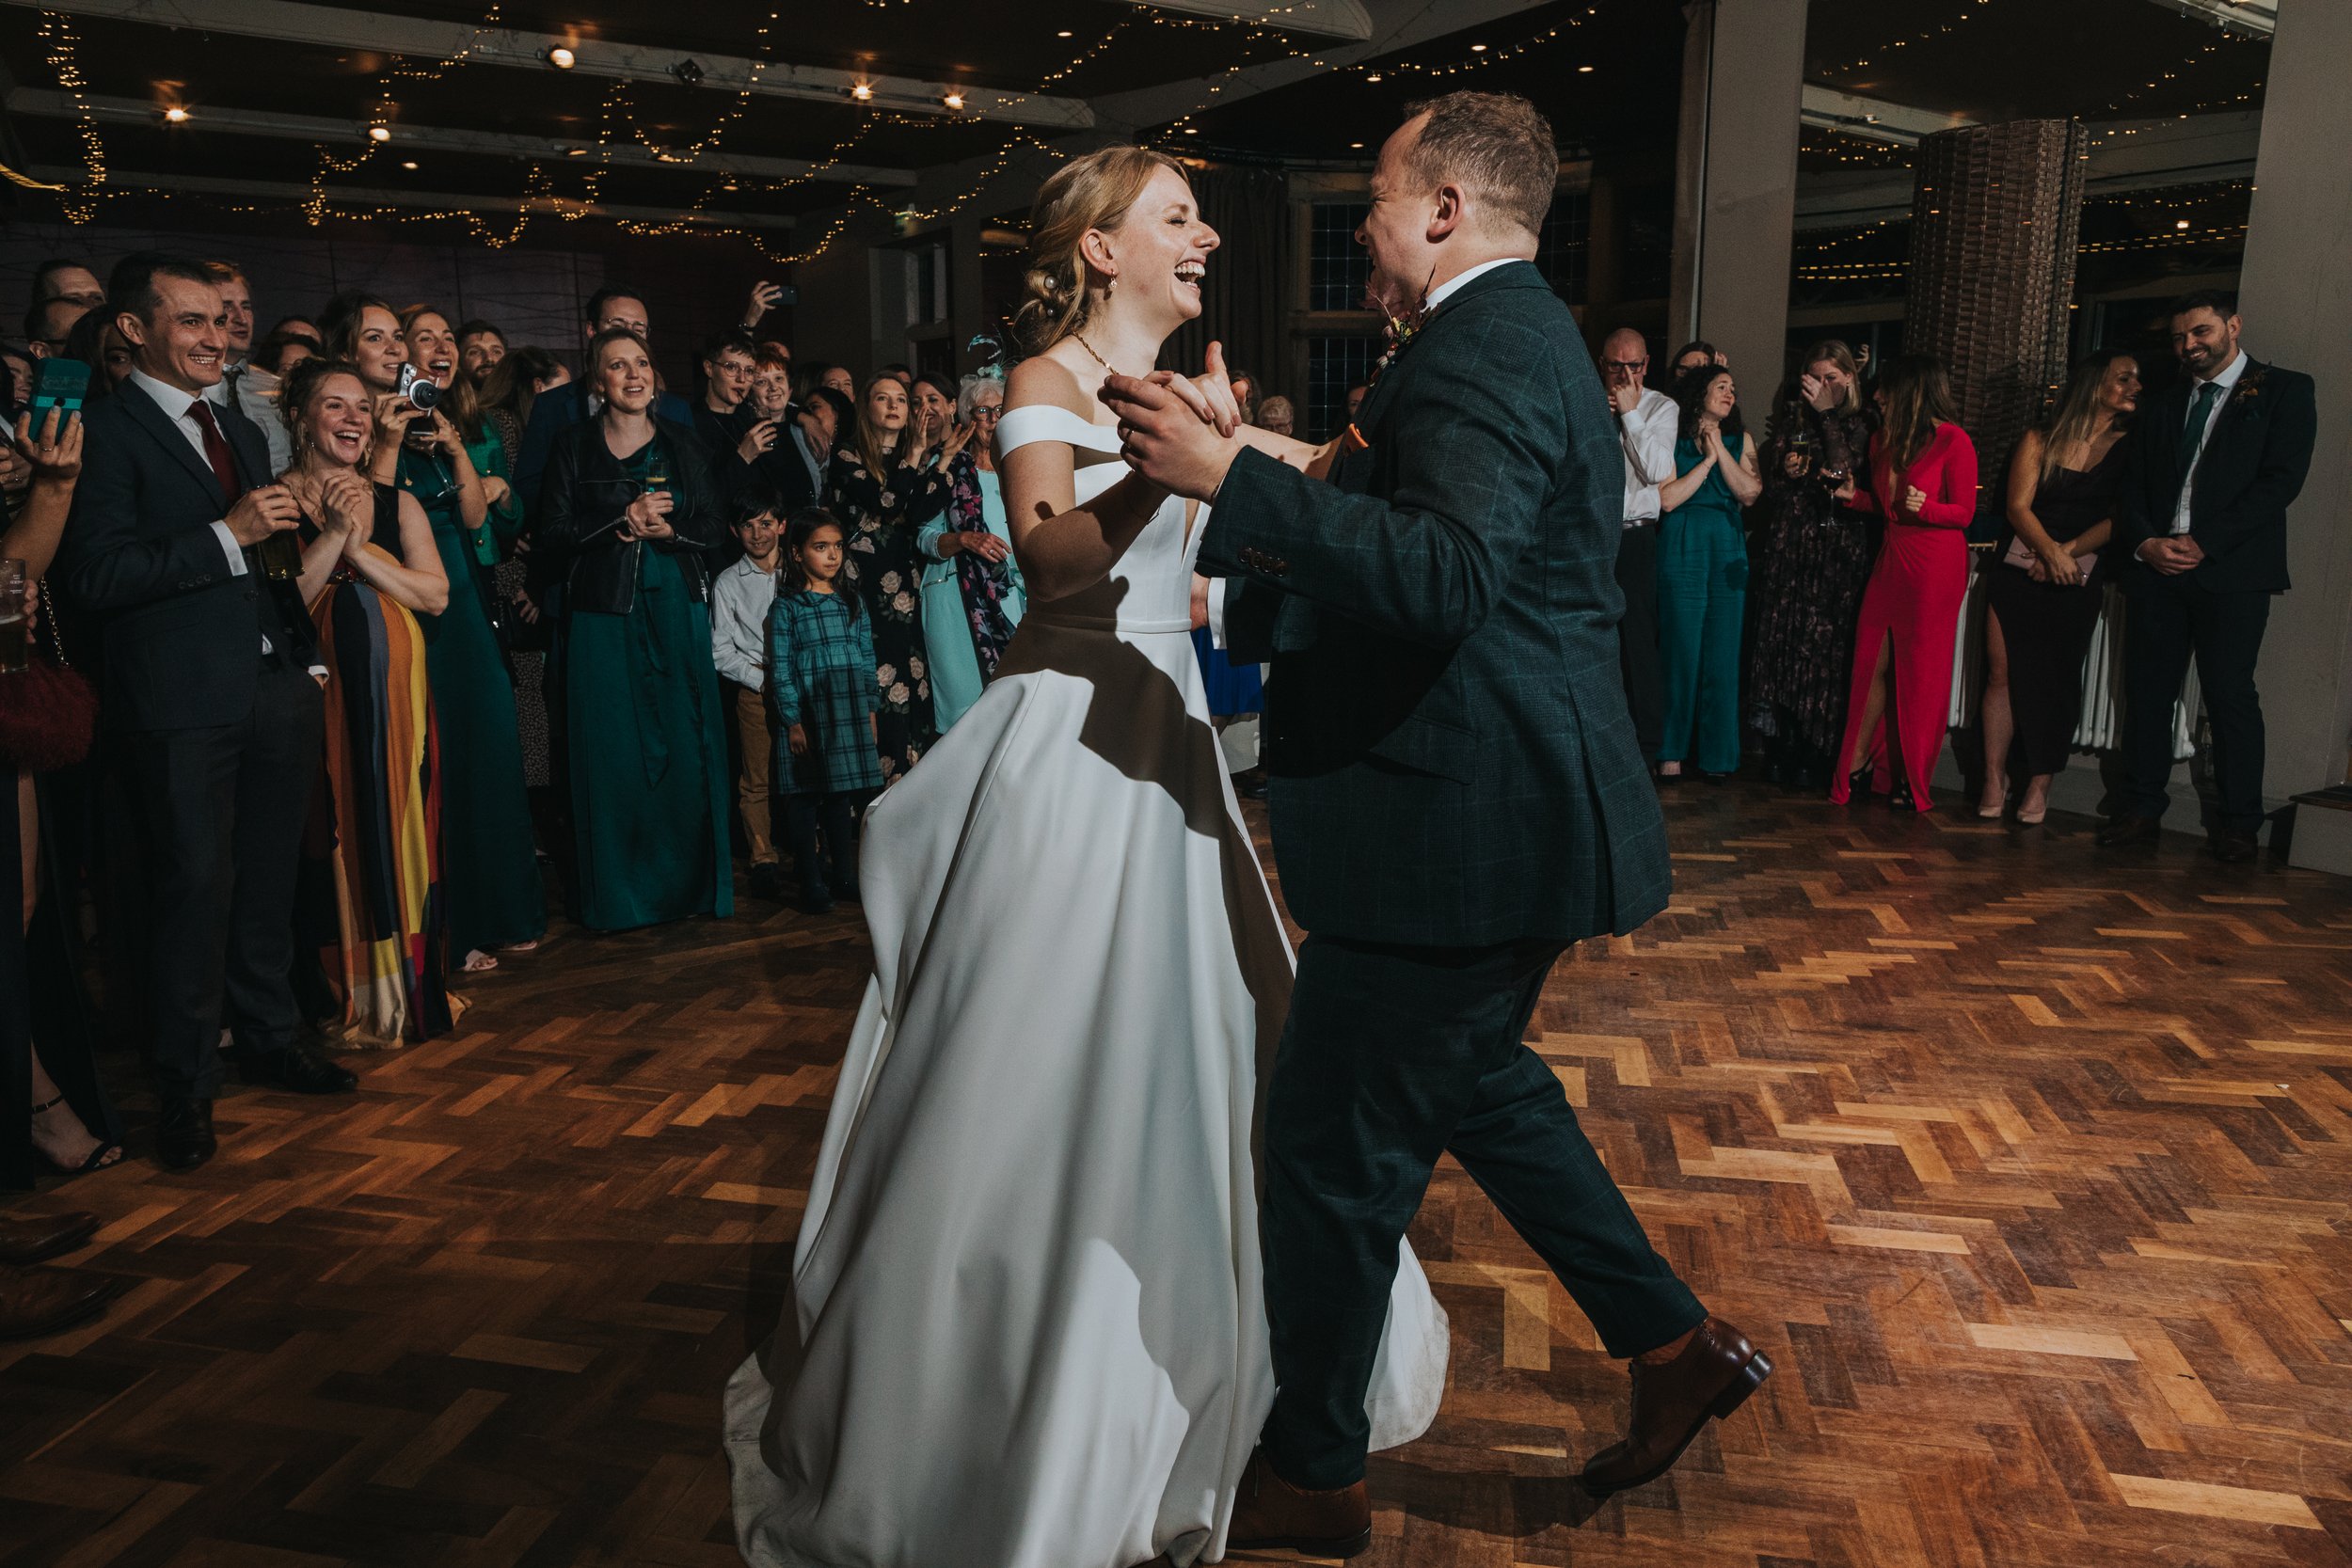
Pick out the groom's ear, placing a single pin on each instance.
(1451, 211)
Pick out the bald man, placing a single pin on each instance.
(1647, 420)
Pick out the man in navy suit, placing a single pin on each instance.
(210, 698)
(2210, 469)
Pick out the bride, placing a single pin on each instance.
(1025, 1327)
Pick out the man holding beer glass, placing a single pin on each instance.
(185, 551)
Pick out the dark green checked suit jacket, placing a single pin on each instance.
(1451, 761)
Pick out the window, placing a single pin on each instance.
(1338, 269)
(1562, 248)
(1334, 365)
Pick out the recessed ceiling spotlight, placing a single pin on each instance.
(1583, 70)
(410, 163)
(862, 91)
(1192, 130)
(1374, 77)
(380, 133)
(1478, 48)
(176, 115)
(575, 152)
(1063, 34)
(954, 101)
(2179, 223)
(1356, 144)
(562, 58)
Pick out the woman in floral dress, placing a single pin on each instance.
(881, 494)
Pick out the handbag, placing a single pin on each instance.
(48, 710)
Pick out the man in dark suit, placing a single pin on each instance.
(795, 466)
(2212, 467)
(1457, 797)
(555, 412)
(213, 710)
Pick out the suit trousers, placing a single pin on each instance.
(2170, 620)
(757, 736)
(1393, 1055)
(1637, 633)
(222, 808)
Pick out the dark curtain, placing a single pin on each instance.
(1246, 300)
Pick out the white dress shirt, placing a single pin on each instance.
(739, 601)
(1646, 436)
(2226, 381)
(175, 404)
(1445, 291)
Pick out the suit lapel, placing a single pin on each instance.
(159, 425)
(247, 445)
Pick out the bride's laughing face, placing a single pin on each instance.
(1158, 255)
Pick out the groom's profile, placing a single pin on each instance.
(1457, 797)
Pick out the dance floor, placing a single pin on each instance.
(2031, 1168)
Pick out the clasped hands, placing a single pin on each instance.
(2173, 554)
(1177, 430)
(648, 516)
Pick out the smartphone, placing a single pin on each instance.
(57, 383)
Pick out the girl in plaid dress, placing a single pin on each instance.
(820, 676)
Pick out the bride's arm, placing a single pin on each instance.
(1062, 547)
(1314, 462)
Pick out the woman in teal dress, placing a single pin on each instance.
(973, 596)
(629, 509)
(497, 902)
(1703, 577)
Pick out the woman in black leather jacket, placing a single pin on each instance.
(626, 512)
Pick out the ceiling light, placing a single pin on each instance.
(176, 115)
(380, 133)
(953, 100)
(1063, 34)
(1583, 70)
(862, 92)
(1192, 130)
(1374, 77)
(562, 58)
(411, 163)
(575, 152)
(1356, 144)
(1478, 48)
(2181, 223)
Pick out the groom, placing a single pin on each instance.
(1457, 797)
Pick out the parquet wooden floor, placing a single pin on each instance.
(2031, 1168)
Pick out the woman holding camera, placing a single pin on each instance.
(496, 900)
(627, 513)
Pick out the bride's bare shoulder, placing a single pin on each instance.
(1043, 379)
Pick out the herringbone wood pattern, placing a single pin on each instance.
(2031, 1168)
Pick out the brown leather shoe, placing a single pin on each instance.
(34, 1302)
(29, 1238)
(2124, 832)
(1272, 1515)
(1713, 1377)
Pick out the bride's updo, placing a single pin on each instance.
(1087, 193)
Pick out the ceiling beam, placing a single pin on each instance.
(1345, 20)
(449, 204)
(2255, 19)
(417, 38)
(1872, 118)
(51, 103)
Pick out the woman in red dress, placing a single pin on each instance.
(1923, 481)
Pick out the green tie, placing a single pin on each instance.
(2193, 433)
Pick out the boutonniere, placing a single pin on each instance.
(1398, 328)
(2249, 385)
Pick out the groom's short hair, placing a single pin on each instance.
(1496, 144)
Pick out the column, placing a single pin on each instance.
(1736, 183)
(2296, 298)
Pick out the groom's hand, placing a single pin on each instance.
(1163, 440)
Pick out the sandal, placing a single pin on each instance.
(531, 946)
(478, 963)
(108, 1151)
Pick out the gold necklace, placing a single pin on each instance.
(1091, 354)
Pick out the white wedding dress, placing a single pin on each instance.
(1027, 1327)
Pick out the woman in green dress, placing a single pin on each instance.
(630, 508)
(497, 902)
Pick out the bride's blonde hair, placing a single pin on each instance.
(1085, 193)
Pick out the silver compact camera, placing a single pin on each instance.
(422, 391)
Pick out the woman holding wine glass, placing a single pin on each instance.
(1811, 559)
(497, 902)
(628, 512)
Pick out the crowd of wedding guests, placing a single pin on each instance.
(1794, 593)
(356, 638)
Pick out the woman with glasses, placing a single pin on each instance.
(496, 900)
(972, 591)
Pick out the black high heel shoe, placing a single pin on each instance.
(1858, 783)
(1898, 798)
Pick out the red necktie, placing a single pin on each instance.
(216, 451)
